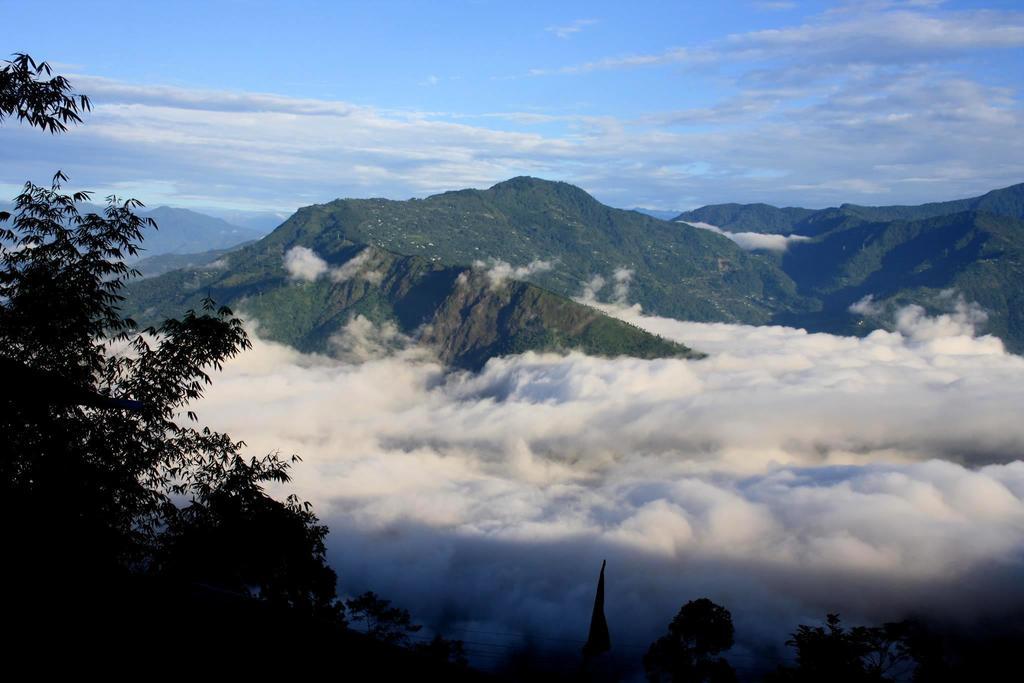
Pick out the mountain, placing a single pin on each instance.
(463, 313)
(1008, 201)
(563, 242)
(262, 222)
(974, 254)
(748, 217)
(673, 270)
(657, 213)
(181, 231)
(159, 264)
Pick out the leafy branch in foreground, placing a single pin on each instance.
(46, 104)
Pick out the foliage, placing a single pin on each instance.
(99, 456)
(862, 654)
(457, 311)
(113, 475)
(380, 620)
(748, 217)
(46, 104)
(687, 654)
(441, 649)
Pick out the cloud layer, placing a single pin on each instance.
(786, 475)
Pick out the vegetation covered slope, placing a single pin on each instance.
(1008, 202)
(164, 263)
(462, 313)
(671, 269)
(677, 271)
(748, 217)
(979, 255)
(897, 255)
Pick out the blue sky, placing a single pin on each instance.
(257, 105)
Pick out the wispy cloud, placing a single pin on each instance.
(568, 30)
(670, 56)
(854, 106)
(776, 6)
(905, 36)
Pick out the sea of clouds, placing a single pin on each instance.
(786, 475)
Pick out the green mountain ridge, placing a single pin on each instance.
(1007, 201)
(679, 272)
(670, 268)
(748, 217)
(978, 255)
(457, 311)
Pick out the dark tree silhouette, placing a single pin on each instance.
(859, 655)
(104, 472)
(380, 620)
(45, 103)
(441, 649)
(133, 536)
(688, 653)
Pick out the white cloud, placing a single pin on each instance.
(302, 263)
(965, 319)
(568, 30)
(591, 289)
(622, 278)
(866, 305)
(499, 272)
(866, 135)
(899, 36)
(876, 35)
(352, 268)
(752, 240)
(777, 6)
(360, 340)
(868, 107)
(767, 476)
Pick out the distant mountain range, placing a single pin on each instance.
(657, 213)
(151, 266)
(181, 231)
(421, 255)
(897, 255)
(186, 232)
(764, 218)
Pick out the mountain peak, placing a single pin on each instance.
(528, 185)
(521, 182)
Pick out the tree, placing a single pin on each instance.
(440, 649)
(380, 620)
(859, 655)
(699, 632)
(46, 104)
(105, 473)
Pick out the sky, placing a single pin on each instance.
(669, 105)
